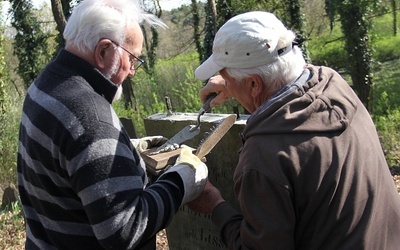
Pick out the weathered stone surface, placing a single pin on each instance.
(189, 230)
(10, 195)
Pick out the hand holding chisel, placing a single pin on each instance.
(205, 108)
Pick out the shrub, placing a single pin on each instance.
(388, 127)
(174, 78)
(10, 113)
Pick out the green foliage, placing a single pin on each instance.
(386, 94)
(386, 112)
(356, 27)
(388, 127)
(9, 126)
(386, 44)
(30, 44)
(173, 78)
(3, 76)
(9, 121)
(150, 91)
(328, 49)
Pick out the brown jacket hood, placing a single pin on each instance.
(328, 102)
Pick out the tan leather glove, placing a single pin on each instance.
(147, 142)
(192, 171)
(187, 157)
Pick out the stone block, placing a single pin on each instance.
(189, 230)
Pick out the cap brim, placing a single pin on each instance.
(207, 69)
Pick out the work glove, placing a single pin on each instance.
(193, 173)
(147, 142)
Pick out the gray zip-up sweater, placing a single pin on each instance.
(312, 174)
(81, 182)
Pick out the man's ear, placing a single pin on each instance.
(102, 53)
(257, 85)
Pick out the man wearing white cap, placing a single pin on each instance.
(311, 173)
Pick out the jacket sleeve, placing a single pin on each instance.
(268, 218)
(109, 178)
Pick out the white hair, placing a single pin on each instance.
(289, 66)
(93, 20)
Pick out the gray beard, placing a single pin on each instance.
(110, 73)
(118, 94)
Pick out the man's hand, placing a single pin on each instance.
(192, 171)
(207, 201)
(147, 142)
(215, 84)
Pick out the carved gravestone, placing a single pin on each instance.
(190, 230)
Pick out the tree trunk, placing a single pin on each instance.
(196, 29)
(356, 26)
(128, 94)
(394, 8)
(297, 22)
(210, 28)
(57, 9)
(61, 11)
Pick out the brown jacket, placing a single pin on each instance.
(312, 174)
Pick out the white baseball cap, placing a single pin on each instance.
(247, 40)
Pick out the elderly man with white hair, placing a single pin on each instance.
(311, 172)
(82, 183)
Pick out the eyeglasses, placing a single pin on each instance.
(135, 61)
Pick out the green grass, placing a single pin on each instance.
(386, 90)
(386, 113)
(386, 43)
(9, 126)
(386, 109)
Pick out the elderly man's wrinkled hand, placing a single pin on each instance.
(215, 84)
(207, 200)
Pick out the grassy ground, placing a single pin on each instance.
(12, 227)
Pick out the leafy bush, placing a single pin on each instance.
(385, 91)
(388, 127)
(386, 110)
(10, 113)
(9, 125)
(174, 78)
(386, 43)
(327, 48)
